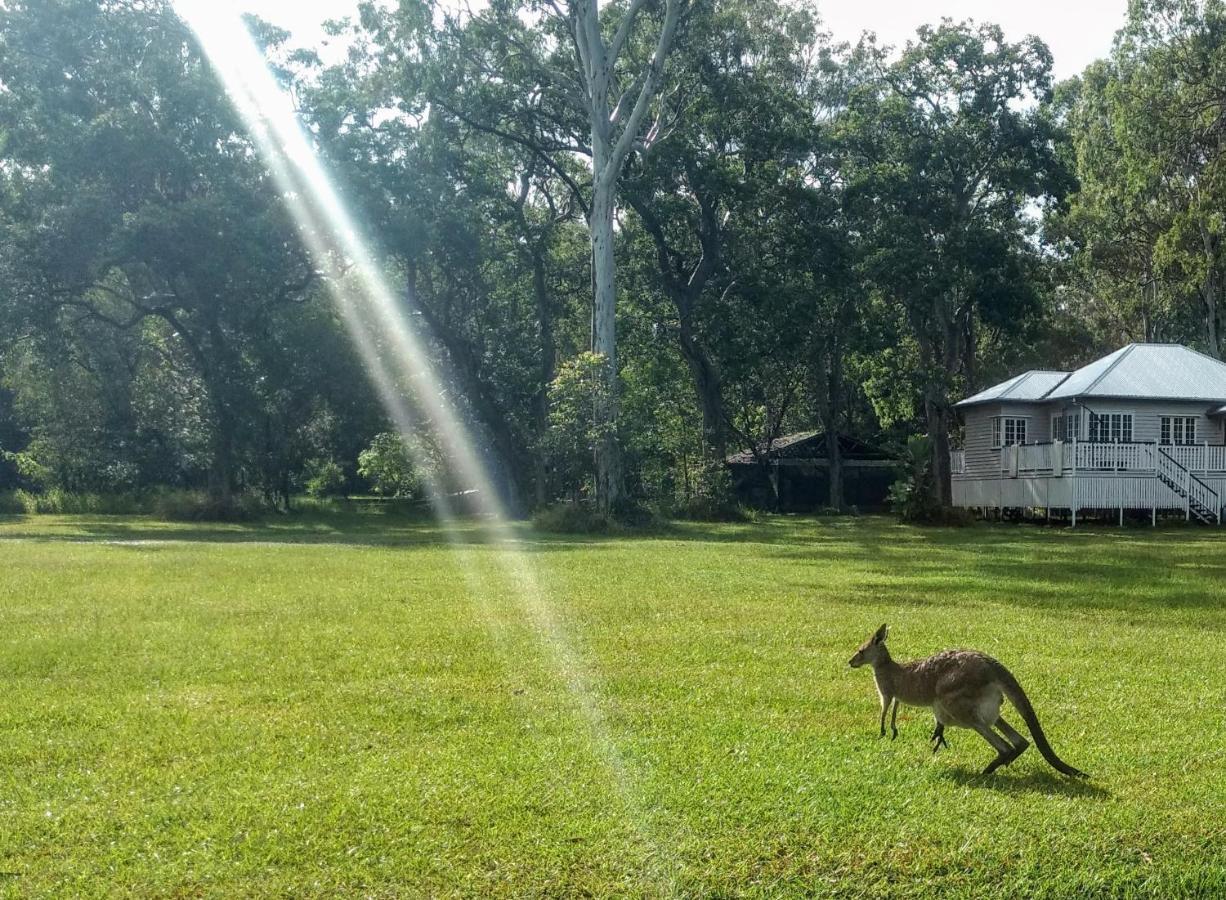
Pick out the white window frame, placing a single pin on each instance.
(1002, 425)
(1064, 423)
(1178, 431)
(1111, 428)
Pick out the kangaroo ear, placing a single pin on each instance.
(879, 637)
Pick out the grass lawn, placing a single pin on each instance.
(349, 705)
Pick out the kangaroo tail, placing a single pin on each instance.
(1018, 698)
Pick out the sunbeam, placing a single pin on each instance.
(396, 360)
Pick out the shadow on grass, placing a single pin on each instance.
(1034, 782)
(887, 563)
(390, 528)
(1175, 568)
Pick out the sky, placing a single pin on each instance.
(1077, 31)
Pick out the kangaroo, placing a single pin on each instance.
(964, 688)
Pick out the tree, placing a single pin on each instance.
(581, 80)
(134, 200)
(949, 149)
(1148, 127)
(706, 186)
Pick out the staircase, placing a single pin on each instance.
(1202, 501)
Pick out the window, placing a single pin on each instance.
(1179, 430)
(1008, 430)
(1111, 428)
(1066, 427)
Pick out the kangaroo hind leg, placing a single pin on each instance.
(1003, 748)
(1019, 743)
(938, 737)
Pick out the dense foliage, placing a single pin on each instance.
(635, 238)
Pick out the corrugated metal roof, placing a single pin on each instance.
(810, 445)
(1137, 372)
(1148, 372)
(1033, 385)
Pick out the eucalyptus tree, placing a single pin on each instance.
(948, 152)
(747, 71)
(480, 230)
(133, 199)
(567, 78)
(1110, 226)
(1149, 127)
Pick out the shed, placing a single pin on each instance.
(793, 474)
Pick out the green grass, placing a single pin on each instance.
(349, 704)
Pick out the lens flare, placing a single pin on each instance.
(396, 360)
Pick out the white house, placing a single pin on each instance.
(1141, 428)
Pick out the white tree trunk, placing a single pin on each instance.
(615, 128)
(604, 341)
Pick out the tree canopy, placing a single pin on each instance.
(635, 237)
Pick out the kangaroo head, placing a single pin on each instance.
(872, 650)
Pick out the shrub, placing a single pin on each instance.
(387, 465)
(911, 496)
(576, 428)
(325, 478)
(198, 506)
(9, 504)
(714, 499)
(573, 518)
(60, 502)
(31, 472)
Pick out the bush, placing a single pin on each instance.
(713, 500)
(60, 502)
(10, 505)
(325, 478)
(198, 506)
(573, 518)
(388, 467)
(701, 508)
(29, 470)
(911, 496)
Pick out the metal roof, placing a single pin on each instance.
(1137, 372)
(1033, 385)
(1148, 372)
(809, 445)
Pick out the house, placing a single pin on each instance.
(792, 474)
(1139, 429)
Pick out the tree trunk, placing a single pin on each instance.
(710, 390)
(221, 468)
(938, 433)
(1209, 295)
(609, 477)
(835, 472)
(547, 372)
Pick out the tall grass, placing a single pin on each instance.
(172, 505)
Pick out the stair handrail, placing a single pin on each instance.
(1203, 495)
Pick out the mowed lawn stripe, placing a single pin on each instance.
(335, 703)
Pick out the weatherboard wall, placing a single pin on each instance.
(982, 459)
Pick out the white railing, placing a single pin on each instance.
(1114, 457)
(1089, 457)
(1034, 458)
(1199, 458)
(1186, 483)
